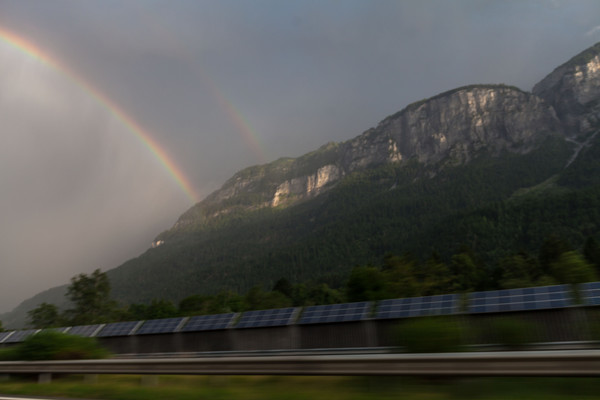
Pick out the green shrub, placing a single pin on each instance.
(57, 346)
(512, 333)
(430, 335)
(8, 354)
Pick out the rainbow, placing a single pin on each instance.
(30, 49)
(243, 126)
(248, 134)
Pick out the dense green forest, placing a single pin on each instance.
(497, 206)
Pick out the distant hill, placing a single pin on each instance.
(490, 166)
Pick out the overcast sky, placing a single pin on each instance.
(218, 86)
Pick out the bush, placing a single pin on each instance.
(430, 335)
(8, 354)
(512, 333)
(56, 346)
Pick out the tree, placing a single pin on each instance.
(551, 250)
(571, 267)
(322, 294)
(364, 284)
(226, 301)
(90, 296)
(465, 274)
(435, 277)
(44, 316)
(222, 302)
(284, 287)
(257, 299)
(300, 295)
(160, 308)
(195, 304)
(400, 277)
(518, 271)
(591, 252)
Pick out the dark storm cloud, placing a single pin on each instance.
(210, 79)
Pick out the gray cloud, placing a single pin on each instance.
(211, 79)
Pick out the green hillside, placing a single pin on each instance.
(495, 205)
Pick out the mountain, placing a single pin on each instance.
(490, 166)
(573, 90)
(450, 128)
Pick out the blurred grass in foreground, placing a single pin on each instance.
(123, 387)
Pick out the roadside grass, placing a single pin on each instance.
(123, 387)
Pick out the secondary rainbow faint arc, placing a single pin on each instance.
(243, 126)
(26, 47)
(245, 129)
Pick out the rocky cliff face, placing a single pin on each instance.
(457, 124)
(448, 129)
(573, 89)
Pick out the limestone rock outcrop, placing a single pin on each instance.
(573, 89)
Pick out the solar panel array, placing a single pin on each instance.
(444, 304)
(265, 318)
(84, 330)
(336, 313)
(208, 322)
(3, 335)
(535, 298)
(59, 330)
(118, 329)
(590, 293)
(19, 336)
(166, 325)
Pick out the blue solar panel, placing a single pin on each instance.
(590, 293)
(336, 313)
(19, 336)
(264, 318)
(166, 325)
(209, 322)
(84, 330)
(418, 306)
(536, 298)
(59, 330)
(4, 335)
(119, 329)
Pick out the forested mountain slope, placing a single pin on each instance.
(483, 165)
